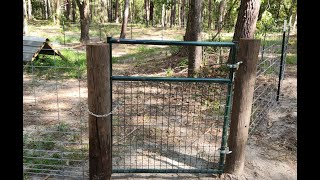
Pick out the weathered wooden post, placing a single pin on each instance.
(242, 104)
(99, 103)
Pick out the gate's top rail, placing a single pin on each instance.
(165, 42)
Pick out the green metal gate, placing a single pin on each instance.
(171, 125)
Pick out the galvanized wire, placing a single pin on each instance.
(52, 120)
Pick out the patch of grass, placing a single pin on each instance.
(67, 39)
(51, 67)
(291, 59)
(183, 62)
(141, 53)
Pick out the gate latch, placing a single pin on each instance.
(226, 151)
(235, 66)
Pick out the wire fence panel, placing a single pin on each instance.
(167, 126)
(54, 143)
(267, 78)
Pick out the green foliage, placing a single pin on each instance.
(49, 66)
(266, 24)
(291, 59)
(183, 62)
(169, 72)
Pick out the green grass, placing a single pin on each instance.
(51, 67)
(291, 59)
(142, 51)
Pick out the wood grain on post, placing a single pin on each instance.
(242, 104)
(99, 102)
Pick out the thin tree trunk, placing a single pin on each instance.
(74, 7)
(210, 15)
(163, 15)
(58, 12)
(151, 12)
(104, 14)
(294, 23)
(84, 20)
(49, 9)
(173, 13)
(29, 10)
(116, 11)
(222, 8)
(110, 11)
(193, 34)
(68, 11)
(125, 19)
(45, 3)
(182, 12)
(147, 13)
(25, 22)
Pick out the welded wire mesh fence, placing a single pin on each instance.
(54, 127)
(267, 78)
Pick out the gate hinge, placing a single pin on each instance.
(225, 151)
(234, 66)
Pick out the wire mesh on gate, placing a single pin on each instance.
(54, 127)
(167, 125)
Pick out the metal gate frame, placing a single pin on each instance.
(229, 81)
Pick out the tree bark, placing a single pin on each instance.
(222, 8)
(84, 20)
(151, 12)
(210, 14)
(104, 14)
(173, 14)
(193, 34)
(45, 3)
(182, 12)
(163, 15)
(247, 19)
(49, 9)
(25, 22)
(110, 11)
(116, 11)
(74, 7)
(58, 12)
(242, 104)
(68, 11)
(147, 13)
(125, 19)
(29, 10)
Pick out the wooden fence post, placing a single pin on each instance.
(99, 102)
(242, 104)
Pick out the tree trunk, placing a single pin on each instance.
(45, 3)
(84, 20)
(116, 11)
(294, 24)
(151, 12)
(125, 19)
(68, 11)
(193, 34)
(110, 11)
(182, 12)
(173, 14)
(210, 14)
(104, 14)
(222, 8)
(49, 9)
(163, 15)
(147, 13)
(74, 7)
(25, 22)
(247, 19)
(29, 10)
(58, 12)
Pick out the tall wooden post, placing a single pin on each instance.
(242, 104)
(99, 103)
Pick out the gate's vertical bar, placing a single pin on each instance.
(110, 82)
(282, 60)
(99, 102)
(227, 112)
